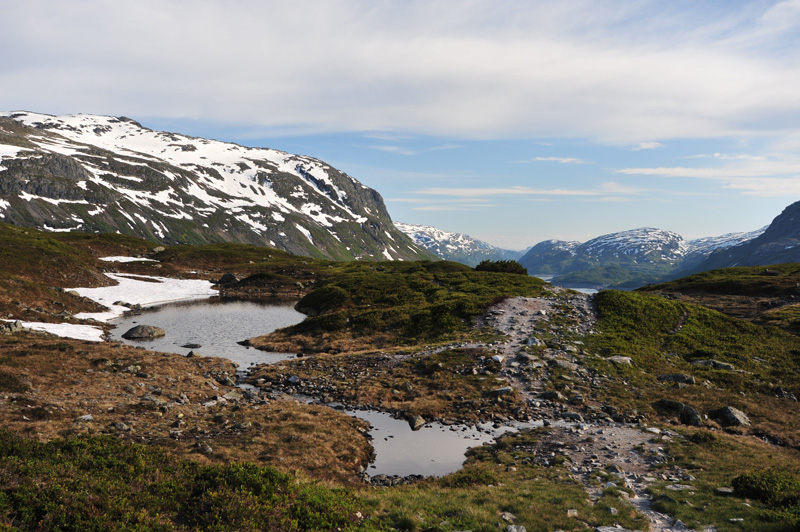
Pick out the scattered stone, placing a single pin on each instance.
(516, 528)
(728, 416)
(508, 517)
(724, 492)
(534, 342)
(203, 448)
(191, 346)
(505, 390)
(144, 332)
(621, 360)
(572, 512)
(85, 419)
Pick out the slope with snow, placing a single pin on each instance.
(99, 173)
(456, 247)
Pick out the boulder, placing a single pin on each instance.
(714, 365)
(728, 416)
(618, 359)
(416, 422)
(681, 378)
(144, 332)
(228, 278)
(688, 415)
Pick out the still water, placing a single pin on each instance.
(217, 325)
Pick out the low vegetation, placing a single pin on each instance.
(732, 361)
(103, 483)
(765, 481)
(359, 306)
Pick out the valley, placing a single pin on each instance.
(592, 391)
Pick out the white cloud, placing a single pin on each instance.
(751, 175)
(562, 160)
(393, 149)
(647, 146)
(479, 69)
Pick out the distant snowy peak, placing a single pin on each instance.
(100, 173)
(456, 247)
(713, 243)
(645, 242)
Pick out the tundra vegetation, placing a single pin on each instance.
(102, 436)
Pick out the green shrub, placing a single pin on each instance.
(502, 266)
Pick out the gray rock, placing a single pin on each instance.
(618, 359)
(534, 342)
(572, 416)
(505, 390)
(728, 416)
(144, 332)
(228, 278)
(565, 364)
(553, 396)
(516, 528)
(714, 365)
(85, 419)
(682, 378)
(724, 492)
(688, 415)
(416, 423)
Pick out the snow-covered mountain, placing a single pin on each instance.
(456, 247)
(99, 173)
(643, 246)
(636, 256)
(778, 243)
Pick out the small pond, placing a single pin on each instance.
(218, 324)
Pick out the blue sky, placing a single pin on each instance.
(511, 121)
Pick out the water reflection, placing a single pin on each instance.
(214, 324)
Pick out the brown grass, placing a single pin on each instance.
(62, 380)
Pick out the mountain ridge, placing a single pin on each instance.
(98, 174)
(457, 247)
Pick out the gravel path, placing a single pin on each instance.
(629, 451)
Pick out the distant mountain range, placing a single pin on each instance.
(100, 174)
(456, 247)
(627, 258)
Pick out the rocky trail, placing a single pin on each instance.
(595, 445)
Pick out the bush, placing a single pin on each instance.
(502, 266)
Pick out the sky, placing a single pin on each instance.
(511, 121)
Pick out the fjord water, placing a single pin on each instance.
(217, 325)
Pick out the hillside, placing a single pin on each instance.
(779, 243)
(104, 174)
(456, 247)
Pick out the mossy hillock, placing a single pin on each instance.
(396, 303)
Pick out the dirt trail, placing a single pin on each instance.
(595, 443)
